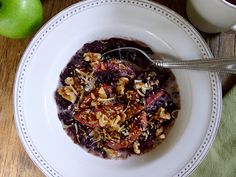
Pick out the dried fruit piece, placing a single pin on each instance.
(133, 109)
(154, 98)
(87, 117)
(135, 130)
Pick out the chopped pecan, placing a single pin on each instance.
(92, 57)
(162, 136)
(67, 93)
(102, 118)
(102, 93)
(69, 81)
(143, 86)
(159, 131)
(136, 147)
(120, 85)
(164, 114)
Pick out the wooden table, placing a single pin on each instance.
(13, 159)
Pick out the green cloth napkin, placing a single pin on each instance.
(221, 159)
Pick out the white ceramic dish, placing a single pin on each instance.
(165, 32)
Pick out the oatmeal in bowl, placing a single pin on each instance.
(111, 108)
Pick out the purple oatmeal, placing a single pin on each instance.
(112, 109)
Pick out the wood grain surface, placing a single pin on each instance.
(14, 162)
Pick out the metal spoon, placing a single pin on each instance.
(227, 65)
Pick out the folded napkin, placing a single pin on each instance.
(221, 159)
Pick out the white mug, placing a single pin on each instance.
(212, 16)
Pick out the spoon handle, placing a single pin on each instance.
(227, 65)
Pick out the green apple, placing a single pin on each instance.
(20, 18)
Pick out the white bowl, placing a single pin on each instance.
(51, 49)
